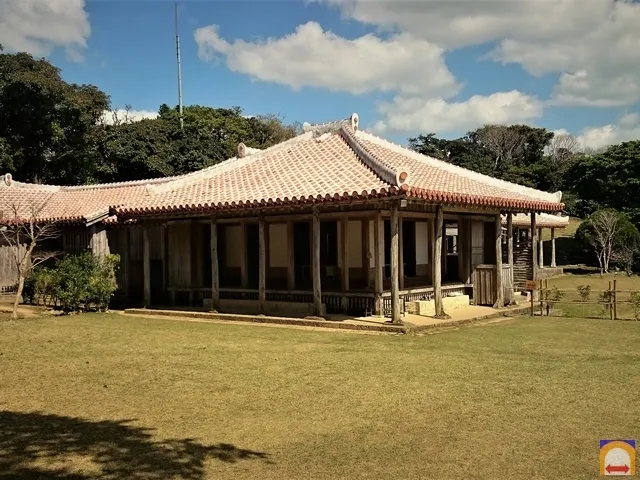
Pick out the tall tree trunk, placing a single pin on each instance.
(600, 263)
(16, 301)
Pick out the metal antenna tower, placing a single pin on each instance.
(179, 69)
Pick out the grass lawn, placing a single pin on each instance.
(108, 396)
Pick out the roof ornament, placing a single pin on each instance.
(242, 150)
(355, 120)
(306, 127)
(8, 179)
(402, 176)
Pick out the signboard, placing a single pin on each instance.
(531, 285)
(617, 457)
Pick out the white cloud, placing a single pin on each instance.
(123, 116)
(593, 44)
(437, 115)
(627, 128)
(39, 26)
(312, 57)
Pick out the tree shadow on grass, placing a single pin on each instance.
(41, 446)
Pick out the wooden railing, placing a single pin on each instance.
(358, 303)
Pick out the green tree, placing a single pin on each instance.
(158, 147)
(515, 153)
(610, 179)
(47, 126)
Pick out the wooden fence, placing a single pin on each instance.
(8, 270)
(612, 303)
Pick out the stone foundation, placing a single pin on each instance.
(427, 307)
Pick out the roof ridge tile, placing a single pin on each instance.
(384, 171)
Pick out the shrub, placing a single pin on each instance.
(634, 299)
(552, 296)
(605, 299)
(39, 286)
(85, 281)
(103, 281)
(585, 292)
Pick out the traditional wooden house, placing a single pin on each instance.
(333, 220)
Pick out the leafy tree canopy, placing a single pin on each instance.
(52, 131)
(45, 122)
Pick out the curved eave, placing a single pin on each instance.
(483, 201)
(45, 220)
(252, 204)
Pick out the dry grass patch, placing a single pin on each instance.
(117, 397)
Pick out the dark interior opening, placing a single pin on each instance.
(253, 255)
(206, 252)
(302, 254)
(330, 275)
(387, 249)
(409, 247)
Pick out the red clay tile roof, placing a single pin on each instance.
(302, 170)
(543, 220)
(440, 181)
(327, 163)
(77, 204)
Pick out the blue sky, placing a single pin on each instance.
(405, 67)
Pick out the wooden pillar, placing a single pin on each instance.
(125, 264)
(378, 247)
(365, 252)
(553, 247)
(437, 262)
(431, 232)
(315, 262)
(146, 265)
(291, 259)
(244, 272)
(194, 260)
(541, 245)
(498, 240)
(444, 249)
(344, 252)
(165, 254)
(400, 253)
(215, 267)
(344, 268)
(510, 252)
(395, 270)
(534, 246)
(262, 265)
(461, 250)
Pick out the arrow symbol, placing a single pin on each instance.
(617, 468)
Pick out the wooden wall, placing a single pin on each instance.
(179, 253)
(127, 243)
(8, 271)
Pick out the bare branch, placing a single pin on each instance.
(605, 225)
(22, 232)
(503, 142)
(563, 147)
